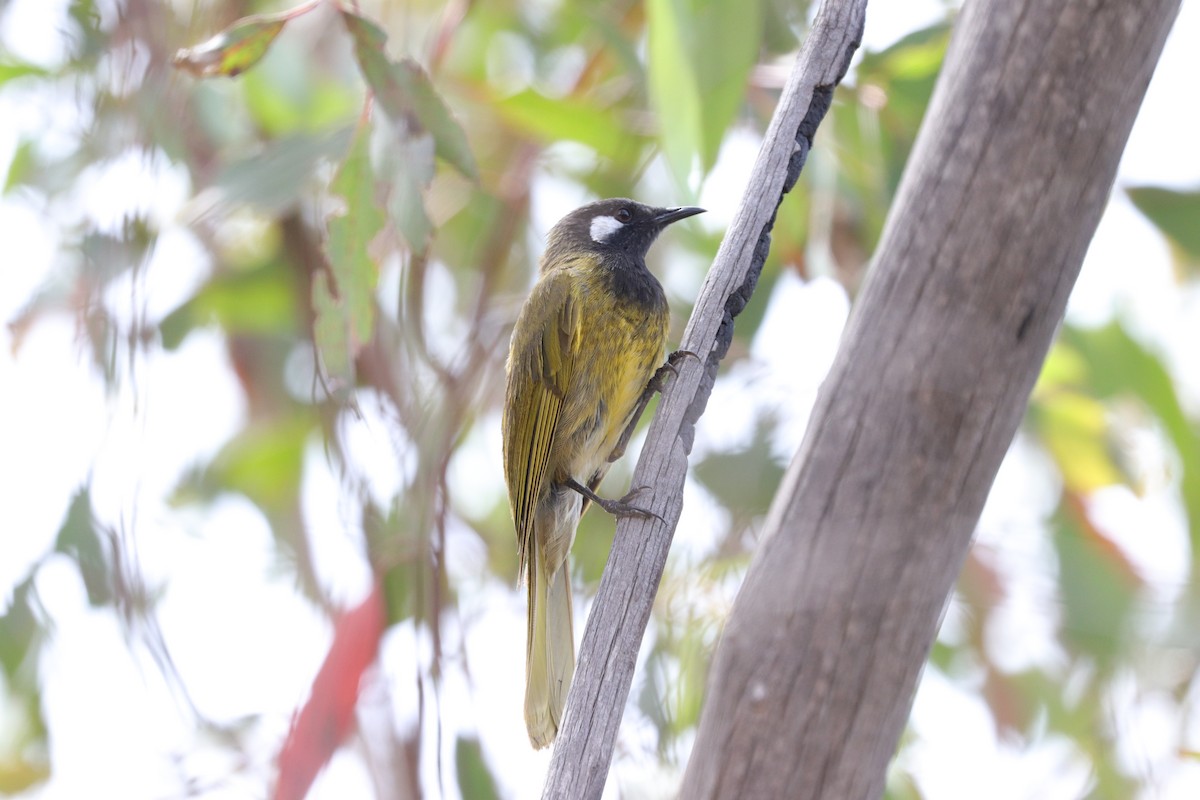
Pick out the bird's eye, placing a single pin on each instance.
(623, 215)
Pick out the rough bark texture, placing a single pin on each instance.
(604, 671)
(814, 676)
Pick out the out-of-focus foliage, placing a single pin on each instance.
(359, 198)
(1175, 213)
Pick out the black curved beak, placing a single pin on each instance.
(666, 216)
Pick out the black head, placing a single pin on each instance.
(618, 229)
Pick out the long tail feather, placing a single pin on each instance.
(550, 648)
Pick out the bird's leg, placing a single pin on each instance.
(618, 508)
(656, 384)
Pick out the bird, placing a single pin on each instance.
(587, 352)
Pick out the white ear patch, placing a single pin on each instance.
(603, 227)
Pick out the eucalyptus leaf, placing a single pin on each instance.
(79, 539)
(474, 778)
(404, 91)
(673, 89)
(344, 300)
(1177, 215)
(233, 50)
(274, 177)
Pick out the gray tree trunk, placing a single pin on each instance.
(815, 673)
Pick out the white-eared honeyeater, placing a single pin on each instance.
(586, 345)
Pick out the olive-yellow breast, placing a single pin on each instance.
(586, 344)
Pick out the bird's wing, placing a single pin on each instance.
(541, 362)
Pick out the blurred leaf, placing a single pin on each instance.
(1064, 367)
(1074, 428)
(328, 715)
(19, 771)
(651, 700)
(263, 462)
(23, 749)
(744, 481)
(392, 547)
(475, 780)
(859, 196)
(693, 652)
(11, 70)
(674, 89)
(24, 163)
(1177, 215)
(700, 55)
(779, 19)
(1096, 581)
(343, 300)
(724, 48)
(331, 335)
(79, 539)
(571, 119)
(408, 160)
(20, 632)
(277, 175)
(404, 91)
(233, 50)
(1120, 366)
(90, 40)
(285, 97)
(895, 84)
(259, 301)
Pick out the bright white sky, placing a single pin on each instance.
(117, 731)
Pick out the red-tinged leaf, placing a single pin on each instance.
(232, 51)
(239, 47)
(1097, 583)
(328, 717)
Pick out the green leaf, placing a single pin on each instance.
(276, 176)
(1074, 428)
(344, 300)
(331, 334)
(20, 633)
(743, 481)
(896, 85)
(10, 70)
(724, 48)
(263, 462)
(406, 94)
(240, 46)
(285, 99)
(1120, 366)
(700, 54)
(79, 539)
(571, 119)
(23, 761)
(1098, 587)
(673, 89)
(1177, 215)
(409, 162)
(233, 50)
(474, 778)
(259, 301)
(390, 544)
(22, 167)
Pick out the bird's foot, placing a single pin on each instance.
(618, 508)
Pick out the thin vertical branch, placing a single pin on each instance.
(583, 751)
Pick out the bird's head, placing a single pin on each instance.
(616, 227)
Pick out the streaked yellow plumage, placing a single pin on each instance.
(586, 344)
